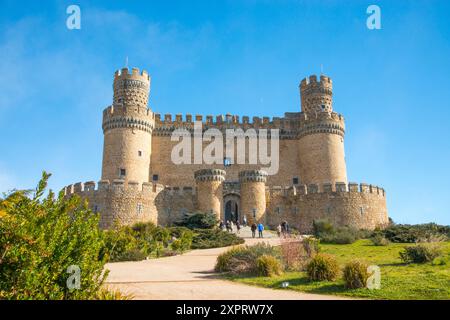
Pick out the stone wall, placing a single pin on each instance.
(129, 202)
(359, 206)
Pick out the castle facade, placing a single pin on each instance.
(141, 182)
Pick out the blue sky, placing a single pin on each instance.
(242, 57)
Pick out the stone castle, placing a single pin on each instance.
(140, 182)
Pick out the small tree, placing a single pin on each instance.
(198, 220)
(42, 239)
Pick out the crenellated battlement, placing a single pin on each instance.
(210, 175)
(131, 88)
(136, 117)
(311, 83)
(125, 73)
(316, 96)
(291, 126)
(253, 176)
(326, 188)
(118, 185)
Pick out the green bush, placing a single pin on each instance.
(243, 259)
(268, 266)
(341, 236)
(321, 227)
(118, 242)
(133, 254)
(40, 238)
(404, 233)
(355, 274)
(322, 267)
(420, 253)
(183, 241)
(379, 240)
(328, 233)
(198, 220)
(214, 238)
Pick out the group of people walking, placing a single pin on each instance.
(228, 226)
(283, 229)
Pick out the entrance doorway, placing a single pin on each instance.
(231, 211)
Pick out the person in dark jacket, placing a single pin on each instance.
(253, 228)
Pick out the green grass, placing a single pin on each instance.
(398, 280)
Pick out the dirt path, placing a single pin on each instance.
(190, 276)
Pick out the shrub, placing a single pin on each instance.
(341, 236)
(130, 255)
(420, 253)
(214, 238)
(242, 259)
(226, 261)
(311, 246)
(293, 254)
(40, 237)
(355, 274)
(439, 261)
(268, 266)
(183, 242)
(403, 233)
(328, 233)
(104, 294)
(198, 220)
(322, 267)
(118, 242)
(379, 240)
(321, 227)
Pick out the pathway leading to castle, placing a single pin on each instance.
(191, 276)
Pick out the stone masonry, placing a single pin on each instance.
(141, 183)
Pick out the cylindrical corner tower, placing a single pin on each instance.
(127, 127)
(321, 134)
(209, 190)
(253, 194)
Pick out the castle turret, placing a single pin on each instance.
(209, 190)
(316, 96)
(127, 127)
(253, 194)
(321, 134)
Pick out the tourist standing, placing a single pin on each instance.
(279, 229)
(253, 227)
(238, 227)
(286, 226)
(244, 221)
(260, 230)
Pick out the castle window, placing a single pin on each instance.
(122, 172)
(295, 180)
(323, 107)
(139, 209)
(227, 162)
(329, 210)
(95, 209)
(140, 153)
(155, 177)
(278, 210)
(361, 210)
(295, 210)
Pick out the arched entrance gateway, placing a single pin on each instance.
(231, 208)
